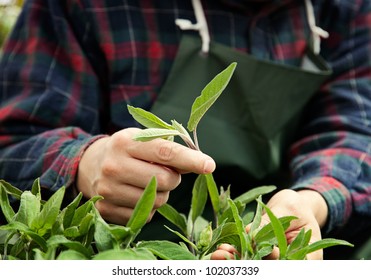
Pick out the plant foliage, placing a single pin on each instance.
(42, 230)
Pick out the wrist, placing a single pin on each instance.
(89, 161)
(317, 204)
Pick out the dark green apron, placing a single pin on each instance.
(251, 124)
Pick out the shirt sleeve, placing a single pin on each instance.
(49, 96)
(333, 155)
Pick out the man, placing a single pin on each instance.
(70, 67)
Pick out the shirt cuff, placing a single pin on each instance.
(337, 197)
(73, 166)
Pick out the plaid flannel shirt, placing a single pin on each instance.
(70, 66)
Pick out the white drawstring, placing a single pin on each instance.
(317, 32)
(200, 25)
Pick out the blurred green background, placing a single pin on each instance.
(9, 11)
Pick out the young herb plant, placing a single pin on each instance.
(230, 217)
(40, 230)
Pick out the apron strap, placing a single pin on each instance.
(317, 32)
(200, 25)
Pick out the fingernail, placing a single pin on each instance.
(209, 166)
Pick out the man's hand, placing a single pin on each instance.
(119, 168)
(308, 206)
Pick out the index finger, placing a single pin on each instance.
(173, 155)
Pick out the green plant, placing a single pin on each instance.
(230, 216)
(42, 230)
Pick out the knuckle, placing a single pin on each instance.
(104, 191)
(161, 199)
(167, 180)
(109, 169)
(162, 181)
(166, 152)
(123, 137)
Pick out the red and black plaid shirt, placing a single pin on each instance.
(70, 67)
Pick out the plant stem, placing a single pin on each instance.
(196, 139)
(216, 220)
(189, 142)
(192, 240)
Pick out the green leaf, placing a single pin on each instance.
(147, 119)
(266, 233)
(263, 250)
(254, 193)
(179, 127)
(7, 239)
(39, 255)
(248, 217)
(83, 210)
(181, 236)
(48, 255)
(69, 211)
(72, 232)
(19, 250)
(109, 236)
(299, 242)
(209, 95)
(167, 250)
(60, 240)
(223, 232)
(37, 239)
(205, 237)
(172, 215)
(88, 239)
(198, 226)
(71, 255)
(13, 191)
(199, 197)
(86, 223)
(120, 233)
(57, 227)
(5, 204)
(257, 219)
(223, 198)
(49, 213)
(29, 208)
(300, 254)
(325, 243)
(126, 254)
(103, 237)
(226, 213)
(82, 229)
(240, 229)
(22, 228)
(149, 134)
(278, 229)
(213, 192)
(143, 207)
(36, 188)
